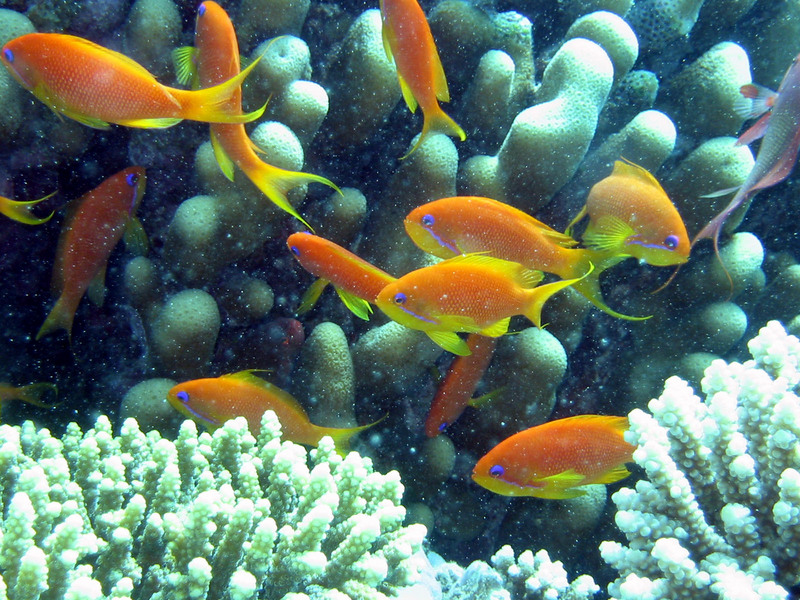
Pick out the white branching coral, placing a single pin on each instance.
(719, 514)
(131, 516)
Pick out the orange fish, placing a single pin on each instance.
(214, 60)
(630, 214)
(408, 41)
(97, 86)
(20, 211)
(213, 401)
(357, 282)
(31, 393)
(463, 376)
(92, 228)
(473, 293)
(466, 224)
(554, 460)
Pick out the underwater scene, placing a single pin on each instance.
(450, 300)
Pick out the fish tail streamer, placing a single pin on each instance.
(589, 285)
(61, 317)
(275, 183)
(437, 121)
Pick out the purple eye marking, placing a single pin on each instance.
(8, 54)
(442, 427)
(671, 242)
(295, 250)
(132, 179)
(399, 298)
(182, 396)
(202, 10)
(427, 220)
(497, 471)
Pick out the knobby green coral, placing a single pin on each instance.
(225, 516)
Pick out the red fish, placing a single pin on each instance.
(214, 60)
(20, 211)
(777, 155)
(470, 293)
(554, 460)
(357, 282)
(93, 227)
(97, 86)
(463, 376)
(468, 224)
(408, 41)
(212, 401)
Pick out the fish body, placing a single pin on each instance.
(777, 154)
(470, 293)
(20, 211)
(214, 60)
(467, 224)
(455, 392)
(554, 460)
(97, 86)
(408, 40)
(95, 224)
(630, 214)
(212, 401)
(357, 282)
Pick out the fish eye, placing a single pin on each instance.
(442, 427)
(132, 179)
(182, 396)
(8, 54)
(428, 220)
(295, 250)
(497, 471)
(671, 242)
(399, 298)
(201, 10)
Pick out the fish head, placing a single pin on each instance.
(16, 57)
(501, 477)
(661, 242)
(405, 303)
(187, 399)
(429, 229)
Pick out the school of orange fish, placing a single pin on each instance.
(494, 256)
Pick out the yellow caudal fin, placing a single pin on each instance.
(589, 286)
(34, 392)
(542, 294)
(213, 105)
(61, 317)
(436, 121)
(275, 183)
(341, 436)
(21, 211)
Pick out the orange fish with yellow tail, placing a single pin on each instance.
(556, 459)
(630, 214)
(472, 293)
(214, 60)
(212, 401)
(468, 224)
(357, 282)
(94, 225)
(97, 86)
(408, 41)
(31, 393)
(20, 211)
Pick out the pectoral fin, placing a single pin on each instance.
(450, 342)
